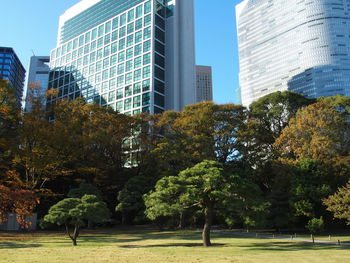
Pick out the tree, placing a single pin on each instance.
(9, 123)
(205, 186)
(315, 225)
(130, 197)
(75, 211)
(85, 189)
(20, 202)
(317, 132)
(339, 203)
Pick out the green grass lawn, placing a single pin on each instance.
(160, 247)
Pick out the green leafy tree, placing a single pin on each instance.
(205, 186)
(73, 212)
(315, 226)
(130, 198)
(339, 203)
(85, 189)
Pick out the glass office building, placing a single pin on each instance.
(302, 46)
(132, 55)
(38, 79)
(11, 69)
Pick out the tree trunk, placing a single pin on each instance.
(182, 220)
(208, 213)
(124, 217)
(75, 236)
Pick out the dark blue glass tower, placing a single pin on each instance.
(11, 69)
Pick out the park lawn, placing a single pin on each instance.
(160, 247)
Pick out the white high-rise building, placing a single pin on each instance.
(302, 46)
(132, 55)
(38, 79)
(204, 83)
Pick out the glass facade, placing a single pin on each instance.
(302, 46)
(115, 59)
(11, 69)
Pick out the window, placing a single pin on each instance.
(120, 106)
(114, 35)
(138, 37)
(131, 15)
(105, 63)
(100, 42)
(147, 7)
(138, 24)
(146, 72)
(145, 99)
(114, 47)
(128, 66)
(120, 94)
(120, 81)
(137, 88)
(101, 30)
(81, 41)
(98, 65)
(128, 91)
(122, 32)
(111, 96)
(147, 33)
(130, 28)
(138, 50)
(137, 75)
(87, 37)
(99, 54)
(137, 101)
(147, 20)
(107, 39)
(130, 40)
(115, 23)
(146, 85)
(121, 56)
(122, 21)
(94, 34)
(93, 45)
(113, 60)
(128, 78)
(105, 74)
(137, 62)
(120, 69)
(122, 44)
(146, 59)
(139, 11)
(159, 100)
(147, 46)
(107, 51)
(127, 104)
(129, 53)
(108, 27)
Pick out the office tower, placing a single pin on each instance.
(302, 46)
(204, 83)
(132, 55)
(38, 79)
(11, 69)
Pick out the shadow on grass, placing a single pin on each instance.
(284, 246)
(171, 245)
(11, 245)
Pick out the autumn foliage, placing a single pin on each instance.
(20, 202)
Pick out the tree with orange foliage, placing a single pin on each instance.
(20, 202)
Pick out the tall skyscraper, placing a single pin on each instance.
(38, 78)
(302, 46)
(204, 83)
(132, 55)
(11, 69)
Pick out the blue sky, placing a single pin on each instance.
(32, 25)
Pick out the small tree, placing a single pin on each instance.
(20, 202)
(205, 186)
(74, 212)
(339, 203)
(315, 226)
(85, 189)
